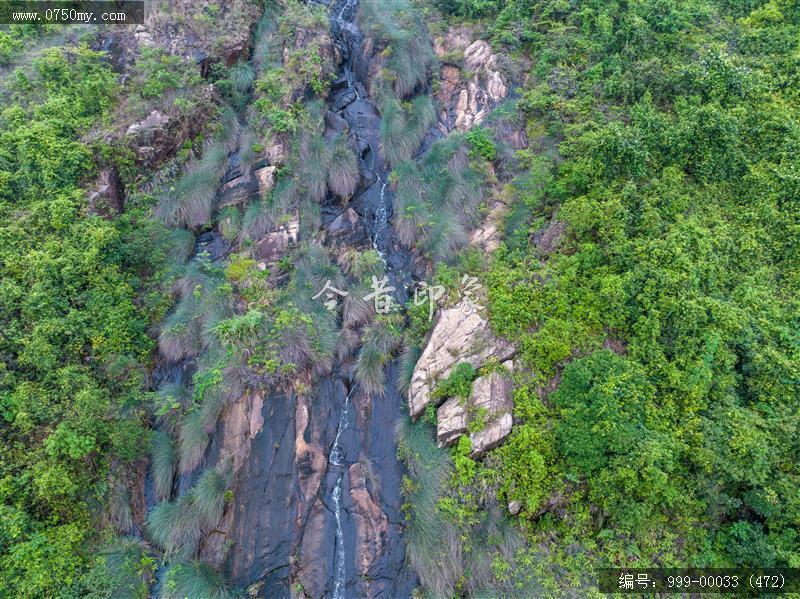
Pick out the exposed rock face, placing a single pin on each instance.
(491, 436)
(488, 235)
(347, 230)
(159, 136)
(266, 178)
(273, 245)
(547, 239)
(239, 190)
(459, 335)
(372, 525)
(491, 395)
(108, 198)
(467, 101)
(310, 459)
(241, 421)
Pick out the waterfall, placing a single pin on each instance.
(336, 458)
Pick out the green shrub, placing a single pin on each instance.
(457, 384)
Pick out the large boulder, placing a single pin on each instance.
(275, 243)
(347, 230)
(460, 334)
(491, 435)
(108, 197)
(468, 96)
(490, 399)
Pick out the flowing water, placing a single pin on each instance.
(285, 534)
(336, 459)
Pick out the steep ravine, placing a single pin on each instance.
(310, 517)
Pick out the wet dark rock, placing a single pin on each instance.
(372, 525)
(240, 190)
(334, 122)
(347, 230)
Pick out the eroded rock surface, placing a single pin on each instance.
(372, 525)
(275, 243)
(489, 400)
(469, 94)
(459, 335)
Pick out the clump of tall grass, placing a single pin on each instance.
(343, 171)
(204, 301)
(193, 579)
(409, 53)
(408, 361)
(119, 508)
(190, 202)
(208, 496)
(242, 75)
(379, 341)
(229, 222)
(162, 459)
(193, 441)
(403, 126)
(327, 165)
(315, 156)
(175, 526)
(123, 566)
(432, 545)
(438, 200)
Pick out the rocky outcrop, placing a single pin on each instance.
(469, 94)
(347, 230)
(459, 335)
(548, 237)
(490, 232)
(372, 525)
(491, 435)
(158, 137)
(108, 197)
(275, 243)
(488, 402)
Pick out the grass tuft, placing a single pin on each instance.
(208, 497)
(343, 172)
(403, 127)
(162, 456)
(193, 441)
(193, 580)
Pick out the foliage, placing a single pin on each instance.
(668, 308)
(439, 199)
(457, 384)
(75, 315)
(193, 579)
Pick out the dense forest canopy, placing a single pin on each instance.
(657, 372)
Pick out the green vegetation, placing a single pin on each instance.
(74, 317)
(407, 54)
(657, 368)
(440, 198)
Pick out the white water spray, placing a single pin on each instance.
(336, 458)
